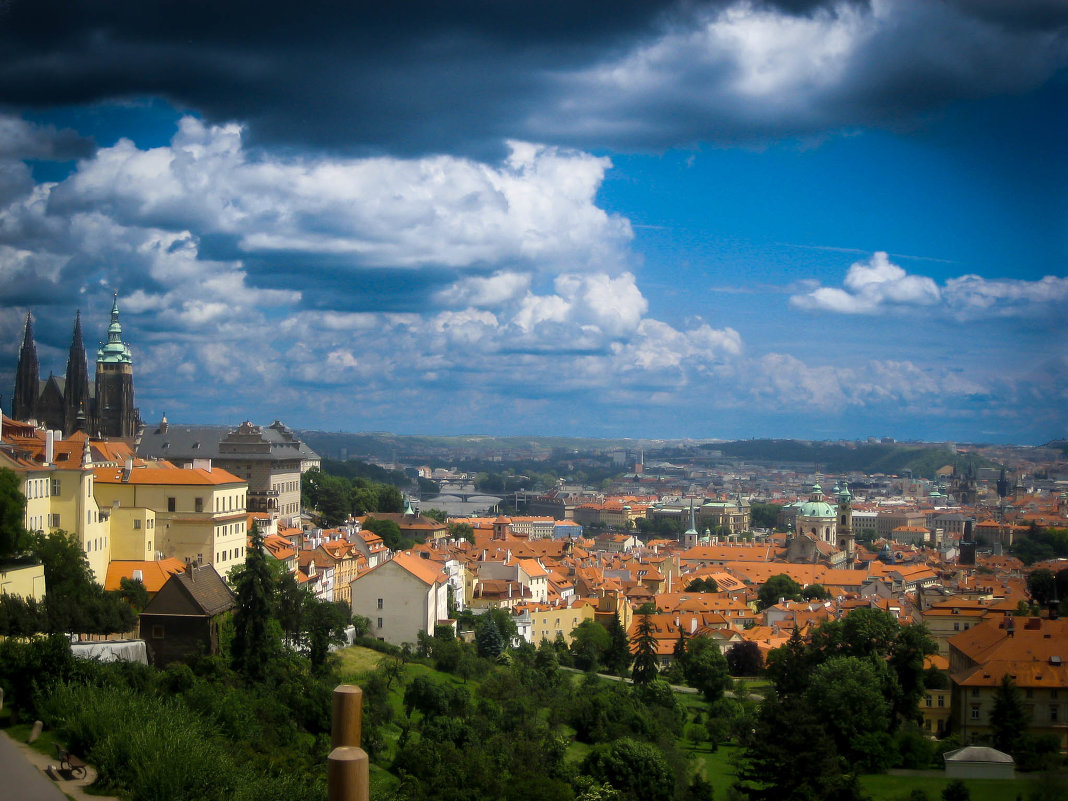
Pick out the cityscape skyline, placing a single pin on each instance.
(720, 220)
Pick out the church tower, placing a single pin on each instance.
(76, 408)
(115, 412)
(27, 378)
(846, 540)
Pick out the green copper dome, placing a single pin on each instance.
(114, 351)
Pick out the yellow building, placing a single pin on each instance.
(547, 621)
(27, 581)
(192, 514)
(56, 476)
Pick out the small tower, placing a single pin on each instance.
(116, 415)
(689, 539)
(27, 378)
(846, 541)
(76, 403)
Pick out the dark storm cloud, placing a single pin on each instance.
(420, 77)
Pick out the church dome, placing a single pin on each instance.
(817, 509)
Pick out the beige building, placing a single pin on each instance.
(196, 514)
(270, 459)
(1031, 651)
(548, 621)
(402, 597)
(27, 581)
(56, 476)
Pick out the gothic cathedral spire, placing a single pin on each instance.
(76, 409)
(27, 378)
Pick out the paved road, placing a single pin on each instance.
(21, 779)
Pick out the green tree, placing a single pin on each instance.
(254, 645)
(706, 668)
(133, 592)
(776, 587)
(638, 770)
(848, 692)
(589, 642)
(618, 657)
(1008, 718)
(956, 790)
(703, 585)
(645, 669)
(488, 638)
(912, 645)
(789, 757)
(763, 515)
(14, 539)
(461, 531)
(389, 532)
(1041, 586)
(787, 666)
(326, 622)
(815, 592)
(745, 659)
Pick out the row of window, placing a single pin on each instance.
(37, 488)
(96, 544)
(150, 523)
(234, 553)
(229, 529)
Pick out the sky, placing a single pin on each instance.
(722, 219)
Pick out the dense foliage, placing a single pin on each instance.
(1040, 544)
(74, 602)
(336, 497)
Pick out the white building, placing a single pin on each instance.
(402, 597)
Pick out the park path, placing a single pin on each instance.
(24, 779)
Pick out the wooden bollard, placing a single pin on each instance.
(347, 723)
(348, 775)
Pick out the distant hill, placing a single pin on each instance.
(923, 460)
(893, 459)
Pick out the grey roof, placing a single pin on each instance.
(977, 753)
(168, 441)
(198, 590)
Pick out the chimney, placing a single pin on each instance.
(127, 469)
(138, 575)
(50, 447)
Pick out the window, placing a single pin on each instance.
(198, 505)
(1029, 693)
(1053, 713)
(379, 603)
(55, 486)
(975, 692)
(53, 521)
(137, 525)
(975, 713)
(928, 700)
(379, 622)
(941, 700)
(157, 632)
(170, 504)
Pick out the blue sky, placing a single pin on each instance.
(724, 219)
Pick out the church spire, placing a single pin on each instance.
(76, 387)
(27, 378)
(114, 351)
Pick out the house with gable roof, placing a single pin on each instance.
(402, 597)
(183, 618)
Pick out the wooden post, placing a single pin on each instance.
(347, 722)
(347, 775)
(347, 767)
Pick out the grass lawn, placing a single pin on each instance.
(357, 661)
(897, 788)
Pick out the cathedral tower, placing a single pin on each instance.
(115, 412)
(76, 404)
(27, 378)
